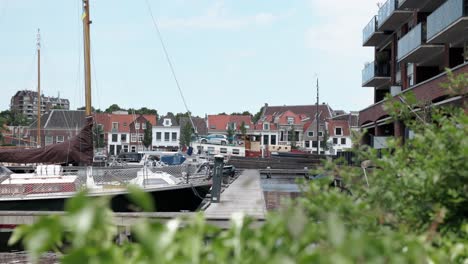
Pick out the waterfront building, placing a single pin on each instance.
(25, 102)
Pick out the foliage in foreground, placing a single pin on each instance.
(414, 211)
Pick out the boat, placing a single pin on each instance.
(50, 186)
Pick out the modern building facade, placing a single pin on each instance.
(414, 42)
(25, 102)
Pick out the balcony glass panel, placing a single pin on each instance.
(410, 41)
(445, 15)
(374, 69)
(386, 10)
(369, 29)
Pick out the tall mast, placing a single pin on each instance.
(87, 60)
(317, 118)
(38, 88)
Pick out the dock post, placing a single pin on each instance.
(217, 179)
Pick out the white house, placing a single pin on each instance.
(166, 134)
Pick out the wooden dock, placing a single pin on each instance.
(244, 195)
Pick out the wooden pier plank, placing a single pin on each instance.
(244, 195)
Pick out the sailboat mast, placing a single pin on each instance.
(39, 103)
(87, 56)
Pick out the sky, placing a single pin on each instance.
(228, 55)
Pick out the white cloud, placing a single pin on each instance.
(340, 26)
(216, 17)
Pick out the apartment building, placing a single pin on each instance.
(25, 102)
(414, 42)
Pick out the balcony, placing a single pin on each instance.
(421, 5)
(448, 23)
(390, 18)
(371, 37)
(375, 74)
(413, 48)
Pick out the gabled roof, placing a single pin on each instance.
(61, 119)
(124, 120)
(352, 118)
(169, 116)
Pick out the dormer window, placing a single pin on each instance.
(338, 131)
(266, 126)
(290, 120)
(167, 122)
(137, 125)
(143, 125)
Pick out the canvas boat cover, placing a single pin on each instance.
(76, 150)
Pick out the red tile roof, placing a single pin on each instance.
(344, 124)
(302, 110)
(123, 121)
(220, 122)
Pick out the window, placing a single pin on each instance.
(174, 136)
(100, 127)
(115, 125)
(232, 125)
(49, 140)
(335, 141)
(223, 150)
(133, 148)
(343, 141)
(114, 137)
(125, 148)
(235, 151)
(290, 120)
(143, 125)
(167, 122)
(314, 144)
(266, 126)
(133, 137)
(320, 133)
(273, 139)
(338, 131)
(124, 124)
(158, 136)
(60, 139)
(123, 137)
(140, 138)
(307, 144)
(310, 133)
(137, 125)
(166, 136)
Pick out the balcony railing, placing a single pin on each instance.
(444, 16)
(411, 41)
(373, 70)
(386, 10)
(370, 29)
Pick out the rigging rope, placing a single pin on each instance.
(170, 64)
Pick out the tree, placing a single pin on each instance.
(148, 135)
(186, 134)
(245, 113)
(324, 143)
(14, 118)
(178, 116)
(113, 108)
(292, 137)
(243, 130)
(98, 137)
(258, 115)
(230, 134)
(143, 111)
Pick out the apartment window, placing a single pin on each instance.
(137, 125)
(114, 137)
(310, 133)
(343, 141)
(166, 136)
(143, 125)
(158, 136)
(410, 74)
(115, 125)
(266, 126)
(335, 141)
(174, 136)
(133, 137)
(60, 139)
(338, 131)
(290, 120)
(140, 138)
(49, 140)
(123, 137)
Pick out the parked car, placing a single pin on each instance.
(214, 139)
